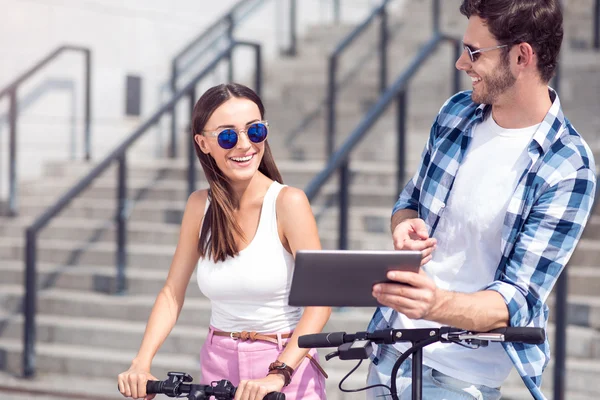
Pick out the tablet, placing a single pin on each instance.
(345, 277)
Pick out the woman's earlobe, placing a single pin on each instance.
(201, 144)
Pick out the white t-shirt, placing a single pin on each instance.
(469, 244)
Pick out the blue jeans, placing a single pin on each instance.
(435, 384)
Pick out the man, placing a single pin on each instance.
(499, 201)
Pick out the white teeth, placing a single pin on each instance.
(242, 159)
(475, 79)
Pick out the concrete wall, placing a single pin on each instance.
(127, 37)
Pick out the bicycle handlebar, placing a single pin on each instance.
(357, 346)
(223, 390)
(446, 333)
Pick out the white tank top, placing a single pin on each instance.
(249, 292)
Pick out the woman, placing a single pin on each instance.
(243, 233)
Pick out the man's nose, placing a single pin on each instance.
(464, 62)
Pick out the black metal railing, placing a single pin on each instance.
(342, 82)
(222, 29)
(13, 114)
(332, 69)
(596, 27)
(339, 161)
(119, 156)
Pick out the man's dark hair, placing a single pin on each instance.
(537, 22)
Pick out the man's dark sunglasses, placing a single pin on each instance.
(474, 54)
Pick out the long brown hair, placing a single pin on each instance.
(217, 235)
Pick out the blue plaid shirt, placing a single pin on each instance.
(544, 221)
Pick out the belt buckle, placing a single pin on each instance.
(231, 336)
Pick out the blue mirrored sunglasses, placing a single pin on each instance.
(228, 138)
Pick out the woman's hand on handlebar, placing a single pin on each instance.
(257, 389)
(132, 383)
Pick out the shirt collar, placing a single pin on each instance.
(549, 128)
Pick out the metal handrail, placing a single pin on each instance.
(224, 28)
(350, 75)
(13, 113)
(596, 27)
(397, 91)
(332, 68)
(339, 159)
(118, 155)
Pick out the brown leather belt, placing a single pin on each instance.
(272, 338)
(252, 336)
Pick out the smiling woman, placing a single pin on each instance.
(242, 234)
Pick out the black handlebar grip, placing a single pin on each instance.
(316, 340)
(522, 335)
(274, 396)
(154, 387)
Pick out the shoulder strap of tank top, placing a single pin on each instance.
(270, 206)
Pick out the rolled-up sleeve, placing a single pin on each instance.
(544, 245)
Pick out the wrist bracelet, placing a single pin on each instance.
(281, 368)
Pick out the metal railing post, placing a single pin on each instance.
(560, 323)
(383, 42)
(436, 16)
(258, 71)
(122, 215)
(560, 335)
(230, 27)
(292, 51)
(191, 175)
(29, 309)
(344, 204)
(12, 162)
(597, 25)
(336, 11)
(173, 146)
(401, 131)
(87, 110)
(331, 106)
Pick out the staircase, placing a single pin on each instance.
(86, 335)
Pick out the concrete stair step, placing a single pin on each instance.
(583, 281)
(170, 169)
(56, 386)
(592, 229)
(295, 173)
(93, 362)
(97, 230)
(83, 252)
(101, 279)
(108, 334)
(372, 194)
(115, 334)
(79, 304)
(581, 310)
(150, 211)
(586, 253)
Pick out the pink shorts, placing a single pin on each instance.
(222, 357)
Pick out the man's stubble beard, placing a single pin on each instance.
(495, 85)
